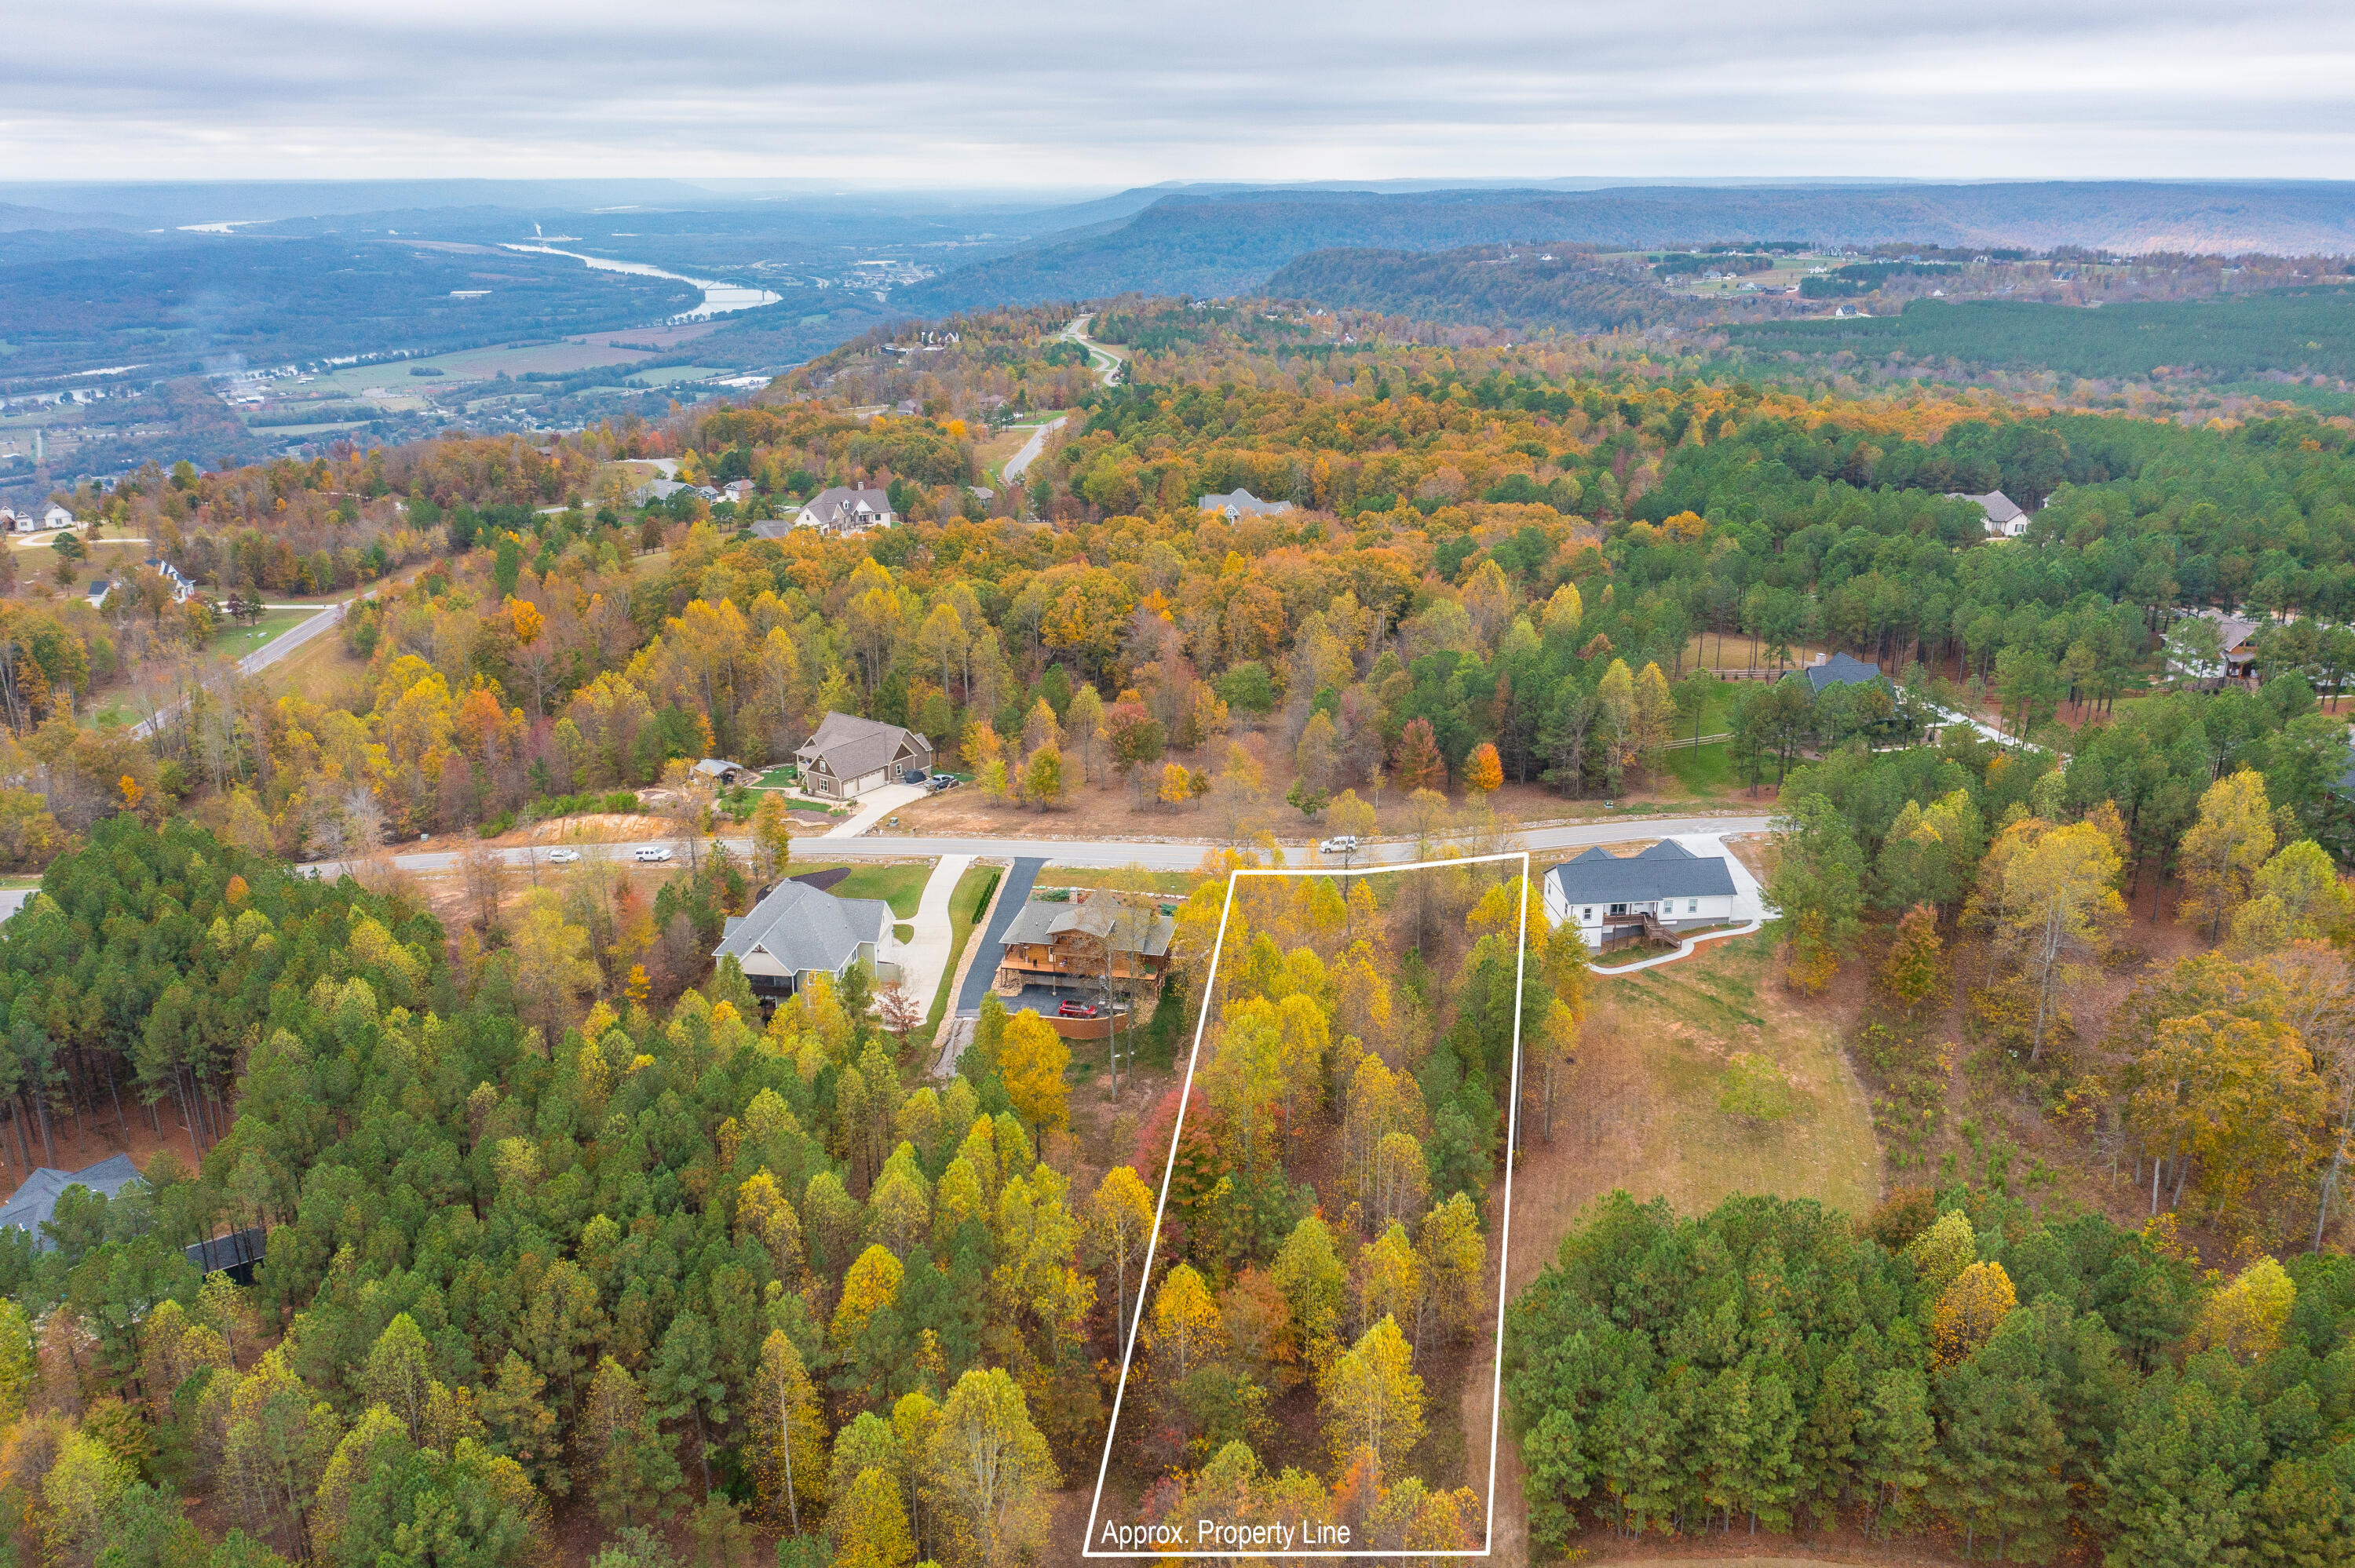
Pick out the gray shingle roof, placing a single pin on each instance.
(1244, 504)
(36, 1199)
(803, 928)
(1041, 921)
(1999, 508)
(844, 508)
(1840, 670)
(852, 747)
(1667, 870)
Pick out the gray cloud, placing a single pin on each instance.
(1044, 94)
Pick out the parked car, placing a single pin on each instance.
(651, 852)
(1340, 843)
(1073, 1007)
(564, 856)
(940, 781)
(913, 776)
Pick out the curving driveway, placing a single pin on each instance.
(1749, 905)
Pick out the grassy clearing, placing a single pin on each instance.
(901, 886)
(112, 714)
(966, 901)
(323, 670)
(239, 640)
(1705, 770)
(1690, 1019)
(1176, 884)
(1640, 1109)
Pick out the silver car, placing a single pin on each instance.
(649, 853)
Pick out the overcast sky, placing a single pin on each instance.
(1033, 94)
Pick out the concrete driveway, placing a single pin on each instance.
(873, 807)
(924, 956)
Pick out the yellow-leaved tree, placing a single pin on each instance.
(787, 1435)
(2054, 900)
(1941, 1253)
(1031, 1057)
(2221, 854)
(2297, 896)
(991, 1469)
(1185, 1331)
(872, 1284)
(1120, 1223)
(1370, 1398)
(1969, 1311)
(2238, 1100)
(869, 1524)
(2248, 1317)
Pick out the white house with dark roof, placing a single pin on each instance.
(798, 931)
(1242, 503)
(849, 756)
(846, 510)
(2003, 516)
(1666, 889)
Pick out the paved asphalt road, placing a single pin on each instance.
(1153, 856)
(1011, 896)
(1030, 451)
(269, 653)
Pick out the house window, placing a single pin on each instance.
(1618, 909)
(1586, 915)
(1692, 905)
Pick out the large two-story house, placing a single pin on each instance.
(849, 756)
(1061, 945)
(846, 510)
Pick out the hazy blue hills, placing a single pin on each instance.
(1224, 244)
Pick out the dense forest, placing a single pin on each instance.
(1522, 287)
(1322, 1297)
(2305, 332)
(2030, 1387)
(519, 1253)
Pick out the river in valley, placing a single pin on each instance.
(719, 299)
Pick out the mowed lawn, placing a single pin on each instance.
(238, 640)
(901, 886)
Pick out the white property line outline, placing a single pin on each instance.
(1169, 1166)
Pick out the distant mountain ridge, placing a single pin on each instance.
(1493, 285)
(1215, 244)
